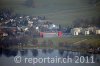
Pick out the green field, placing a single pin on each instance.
(58, 11)
(75, 40)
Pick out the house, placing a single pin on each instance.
(53, 26)
(30, 23)
(76, 31)
(98, 31)
(85, 31)
(5, 34)
(45, 26)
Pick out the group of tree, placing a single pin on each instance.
(86, 22)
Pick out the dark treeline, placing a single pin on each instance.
(93, 2)
(24, 52)
(6, 13)
(86, 22)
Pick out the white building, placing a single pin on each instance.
(98, 31)
(30, 23)
(76, 31)
(92, 29)
(5, 34)
(85, 31)
(53, 26)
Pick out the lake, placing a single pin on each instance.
(47, 57)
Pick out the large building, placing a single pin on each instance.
(85, 31)
(98, 31)
(76, 31)
(50, 34)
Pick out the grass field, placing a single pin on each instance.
(75, 40)
(59, 11)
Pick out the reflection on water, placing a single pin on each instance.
(45, 51)
(8, 53)
(34, 52)
(61, 52)
(24, 52)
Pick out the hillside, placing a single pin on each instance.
(59, 11)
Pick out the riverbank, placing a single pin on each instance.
(72, 43)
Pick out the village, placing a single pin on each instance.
(21, 30)
(39, 26)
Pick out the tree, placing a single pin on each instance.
(35, 52)
(93, 21)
